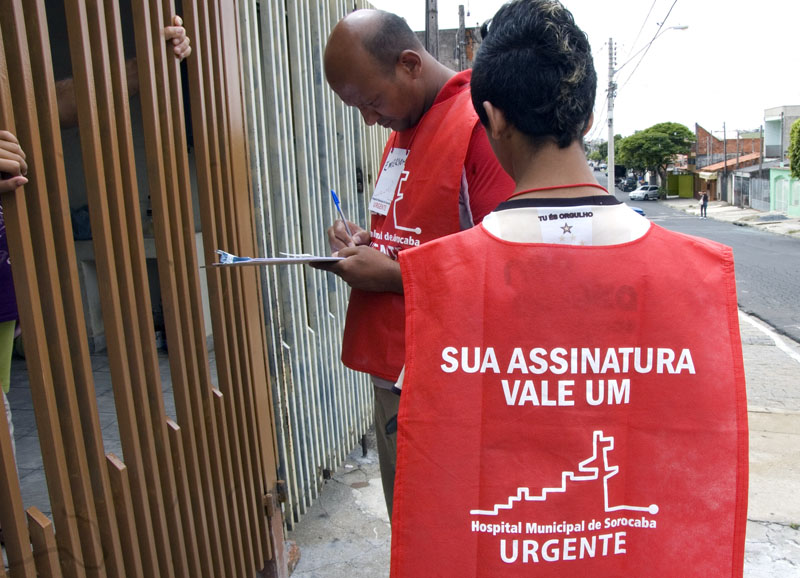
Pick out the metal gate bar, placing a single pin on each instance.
(305, 142)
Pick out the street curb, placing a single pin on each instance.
(788, 227)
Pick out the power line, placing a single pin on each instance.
(647, 48)
(596, 51)
(646, 18)
(599, 122)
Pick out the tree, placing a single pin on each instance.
(655, 148)
(602, 148)
(794, 149)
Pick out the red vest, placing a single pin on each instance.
(425, 207)
(571, 411)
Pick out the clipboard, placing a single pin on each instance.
(231, 260)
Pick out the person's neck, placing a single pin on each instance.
(436, 76)
(549, 166)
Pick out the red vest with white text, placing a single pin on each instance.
(571, 411)
(425, 207)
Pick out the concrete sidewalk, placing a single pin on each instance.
(772, 222)
(346, 534)
(772, 367)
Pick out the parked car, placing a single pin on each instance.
(627, 184)
(644, 193)
(636, 210)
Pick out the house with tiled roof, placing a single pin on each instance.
(749, 169)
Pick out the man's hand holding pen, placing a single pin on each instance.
(363, 268)
(339, 237)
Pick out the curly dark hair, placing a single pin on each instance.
(536, 65)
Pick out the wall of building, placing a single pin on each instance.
(448, 46)
(777, 126)
(709, 149)
(784, 192)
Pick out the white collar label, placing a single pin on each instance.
(566, 226)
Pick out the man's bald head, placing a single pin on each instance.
(374, 62)
(382, 35)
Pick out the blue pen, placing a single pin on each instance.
(341, 214)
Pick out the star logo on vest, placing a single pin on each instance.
(567, 229)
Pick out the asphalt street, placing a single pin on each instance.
(767, 265)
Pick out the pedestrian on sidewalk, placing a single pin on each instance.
(704, 204)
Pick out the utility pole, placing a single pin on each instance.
(432, 28)
(761, 164)
(461, 41)
(741, 192)
(612, 92)
(738, 142)
(724, 164)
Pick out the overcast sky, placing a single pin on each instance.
(729, 65)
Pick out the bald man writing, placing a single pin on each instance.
(438, 177)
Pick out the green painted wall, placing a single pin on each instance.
(784, 192)
(681, 185)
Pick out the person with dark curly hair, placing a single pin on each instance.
(560, 414)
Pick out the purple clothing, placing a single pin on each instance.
(8, 299)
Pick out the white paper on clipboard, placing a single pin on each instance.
(231, 260)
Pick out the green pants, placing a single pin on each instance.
(6, 347)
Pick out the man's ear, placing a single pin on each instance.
(589, 124)
(498, 125)
(410, 62)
